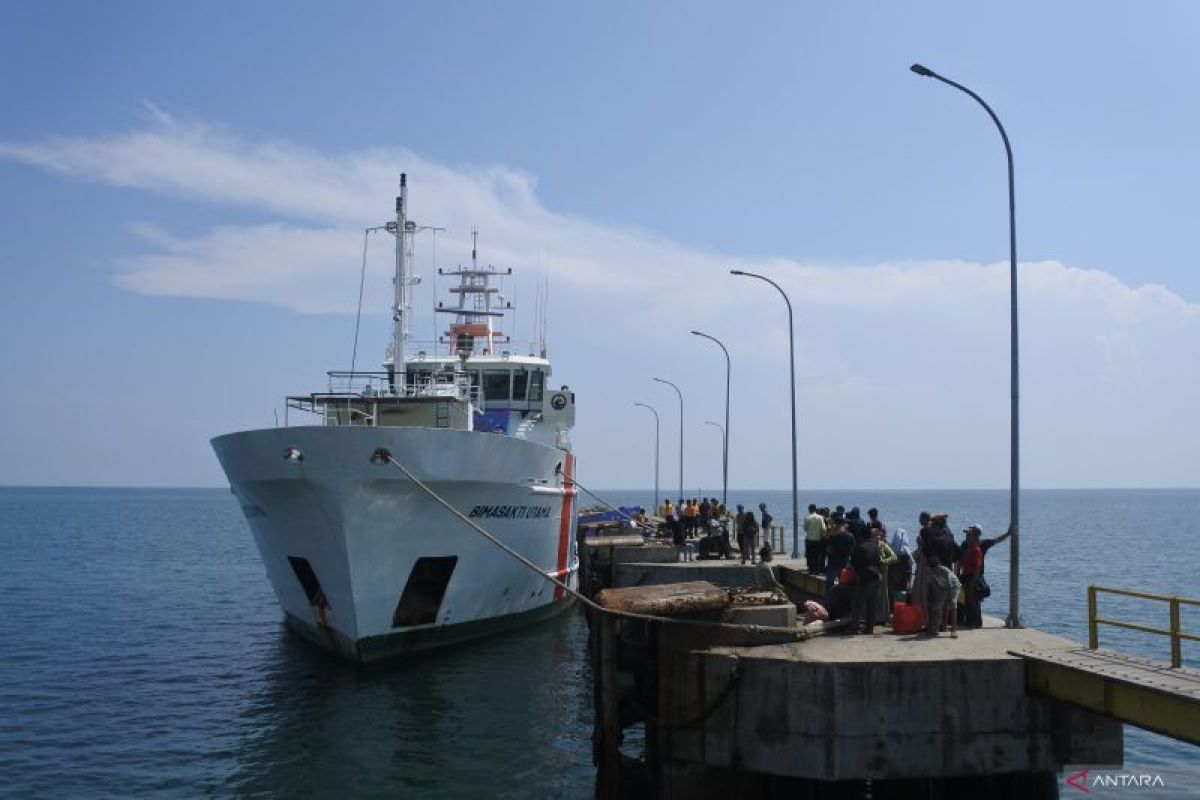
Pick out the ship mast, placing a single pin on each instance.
(400, 294)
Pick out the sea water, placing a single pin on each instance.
(143, 653)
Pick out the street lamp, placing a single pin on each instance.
(1014, 595)
(792, 357)
(725, 430)
(724, 445)
(655, 413)
(676, 388)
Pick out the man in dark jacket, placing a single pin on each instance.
(865, 560)
(747, 534)
(841, 545)
(858, 528)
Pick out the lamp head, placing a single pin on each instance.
(736, 272)
(923, 71)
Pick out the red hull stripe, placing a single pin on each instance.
(564, 526)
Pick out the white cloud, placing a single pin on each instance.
(923, 342)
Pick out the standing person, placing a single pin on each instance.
(667, 509)
(865, 560)
(858, 528)
(900, 574)
(941, 588)
(767, 519)
(706, 512)
(942, 540)
(679, 539)
(873, 517)
(747, 533)
(814, 540)
(921, 564)
(841, 545)
(887, 561)
(943, 545)
(723, 519)
(970, 567)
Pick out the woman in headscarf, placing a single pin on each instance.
(887, 562)
(900, 574)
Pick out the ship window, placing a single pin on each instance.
(536, 378)
(495, 384)
(422, 595)
(308, 580)
(520, 381)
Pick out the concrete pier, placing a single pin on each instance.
(755, 713)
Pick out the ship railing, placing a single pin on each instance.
(364, 384)
(353, 397)
(428, 349)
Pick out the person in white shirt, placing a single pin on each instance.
(814, 541)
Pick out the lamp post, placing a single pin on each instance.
(724, 445)
(655, 413)
(792, 357)
(1014, 595)
(676, 388)
(725, 430)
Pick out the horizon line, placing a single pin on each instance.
(699, 491)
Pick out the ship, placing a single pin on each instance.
(362, 555)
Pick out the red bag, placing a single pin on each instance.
(848, 577)
(905, 618)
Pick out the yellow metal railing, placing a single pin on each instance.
(1177, 636)
(777, 538)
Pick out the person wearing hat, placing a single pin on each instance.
(970, 569)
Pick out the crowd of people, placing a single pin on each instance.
(867, 570)
(713, 525)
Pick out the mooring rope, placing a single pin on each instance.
(600, 499)
(382, 454)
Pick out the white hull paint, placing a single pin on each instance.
(362, 526)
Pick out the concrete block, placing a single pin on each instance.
(782, 615)
(725, 574)
(645, 554)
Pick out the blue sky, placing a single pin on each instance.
(184, 183)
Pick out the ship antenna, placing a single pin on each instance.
(400, 300)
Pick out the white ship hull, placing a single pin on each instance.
(391, 570)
